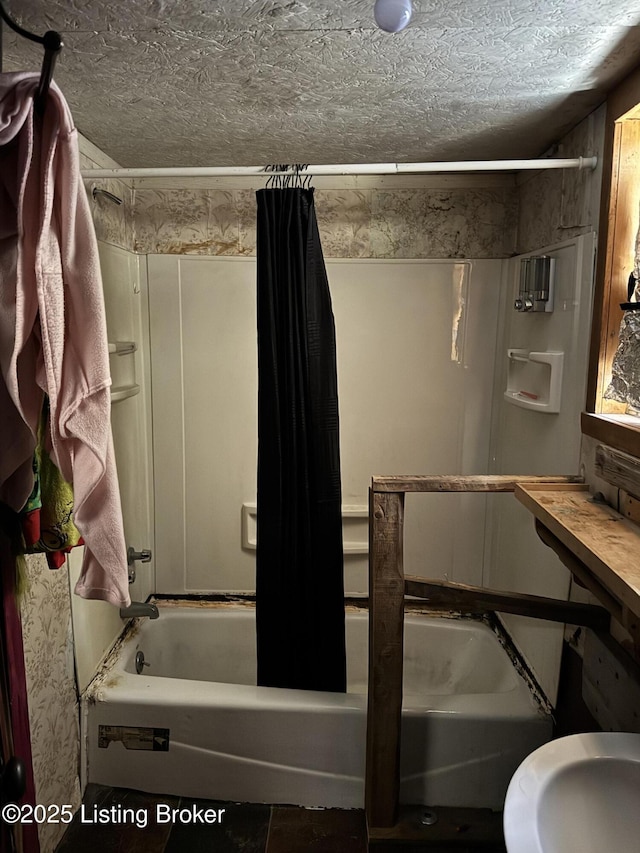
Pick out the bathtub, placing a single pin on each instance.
(194, 724)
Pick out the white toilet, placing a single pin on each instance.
(577, 794)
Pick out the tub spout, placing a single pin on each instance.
(140, 608)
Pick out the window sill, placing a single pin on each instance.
(619, 431)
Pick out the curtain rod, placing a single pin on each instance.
(347, 169)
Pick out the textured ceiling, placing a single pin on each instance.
(236, 82)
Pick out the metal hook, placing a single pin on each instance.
(52, 43)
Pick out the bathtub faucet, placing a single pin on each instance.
(140, 608)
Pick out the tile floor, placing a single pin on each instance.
(131, 825)
(246, 827)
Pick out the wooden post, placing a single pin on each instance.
(386, 626)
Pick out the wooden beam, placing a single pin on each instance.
(619, 469)
(464, 482)
(386, 628)
(477, 599)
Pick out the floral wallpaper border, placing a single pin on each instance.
(45, 609)
(425, 223)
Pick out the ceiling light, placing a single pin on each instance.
(392, 15)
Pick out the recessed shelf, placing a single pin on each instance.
(249, 527)
(534, 380)
(122, 392)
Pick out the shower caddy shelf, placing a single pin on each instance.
(534, 380)
(123, 392)
(249, 527)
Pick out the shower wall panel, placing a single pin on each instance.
(534, 442)
(416, 347)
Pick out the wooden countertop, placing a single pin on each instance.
(601, 538)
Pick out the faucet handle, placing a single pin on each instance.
(133, 557)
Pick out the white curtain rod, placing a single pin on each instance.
(347, 169)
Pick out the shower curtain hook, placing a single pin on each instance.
(302, 180)
(272, 181)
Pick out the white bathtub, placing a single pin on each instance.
(469, 718)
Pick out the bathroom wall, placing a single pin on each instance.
(45, 610)
(555, 205)
(114, 223)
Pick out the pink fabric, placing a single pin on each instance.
(53, 335)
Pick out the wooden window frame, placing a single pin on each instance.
(606, 420)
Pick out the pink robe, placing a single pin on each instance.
(53, 335)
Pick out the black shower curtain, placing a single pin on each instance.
(299, 583)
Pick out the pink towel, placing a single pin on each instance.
(53, 334)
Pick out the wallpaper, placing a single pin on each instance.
(113, 222)
(417, 223)
(556, 205)
(53, 706)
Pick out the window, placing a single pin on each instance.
(608, 420)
